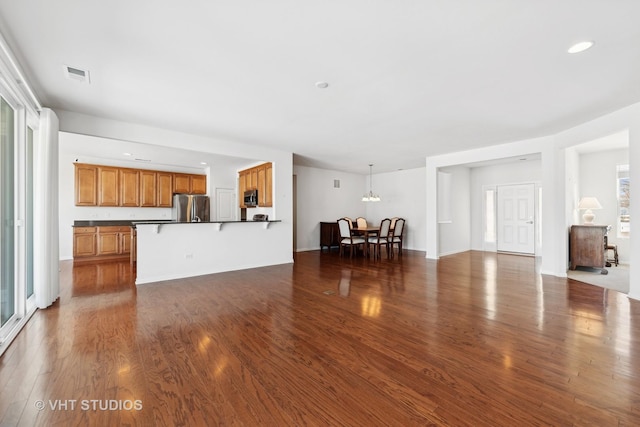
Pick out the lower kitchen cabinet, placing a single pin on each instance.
(84, 241)
(106, 243)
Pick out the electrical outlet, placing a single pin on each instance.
(188, 256)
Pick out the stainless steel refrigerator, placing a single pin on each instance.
(190, 208)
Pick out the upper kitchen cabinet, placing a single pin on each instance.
(98, 185)
(108, 186)
(148, 190)
(164, 184)
(86, 182)
(181, 183)
(198, 184)
(243, 176)
(189, 183)
(268, 179)
(257, 178)
(253, 175)
(129, 187)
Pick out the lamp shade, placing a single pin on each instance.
(589, 203)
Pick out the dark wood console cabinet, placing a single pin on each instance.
(329, 235)
(586, 246)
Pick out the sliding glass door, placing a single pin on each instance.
(7, 214)
(29, 214)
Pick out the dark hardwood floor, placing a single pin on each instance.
(475, 339)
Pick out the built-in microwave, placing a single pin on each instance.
(251, 198)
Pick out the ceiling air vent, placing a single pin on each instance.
(77, 74)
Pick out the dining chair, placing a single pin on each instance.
(350, 221)
(396, 237)
(393, 222)
(382, 238)
(361, 222)
(347, 238)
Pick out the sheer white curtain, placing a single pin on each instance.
(46, 246)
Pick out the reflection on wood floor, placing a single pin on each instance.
(473, 339)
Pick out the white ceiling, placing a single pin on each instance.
(407, 78)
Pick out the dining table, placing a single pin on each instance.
(366, 232)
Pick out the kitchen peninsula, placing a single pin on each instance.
(173, 250)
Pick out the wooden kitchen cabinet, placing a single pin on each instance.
(164, 184)
(133, 256)
(242, 187)
(586, 246)
(124, 245)
(98, 185)
(129, 187)
(189, 184)
(198, 184)
(257, 178)
(181, 183)
(106, 243)
(148, 190)
(86, 185)
(84, 242)
(261, 185)
(252, 184)
(268, 185)
(108, 186)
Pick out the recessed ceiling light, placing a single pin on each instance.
(580, 47)
(322, 85)
(126, 154)
(203, 163)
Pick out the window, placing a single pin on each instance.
(489, 215)
(624, 199)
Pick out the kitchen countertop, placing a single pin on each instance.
(113, 222)
(203, 222)
(133, 223)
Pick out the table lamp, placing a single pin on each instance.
(589, 203)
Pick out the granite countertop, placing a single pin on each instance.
(134, 222)
(202, 222)
(114, 222)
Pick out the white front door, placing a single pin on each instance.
(225, 204)
(516, 218)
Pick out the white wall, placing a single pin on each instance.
(80, 124)
(173, 251)
(517, 172)
(598, 179)
(502, 151)
(402, 195)
(455, 235)
(623, 120)
(556, 211)
(318, 201)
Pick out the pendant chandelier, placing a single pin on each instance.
(370, 197)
